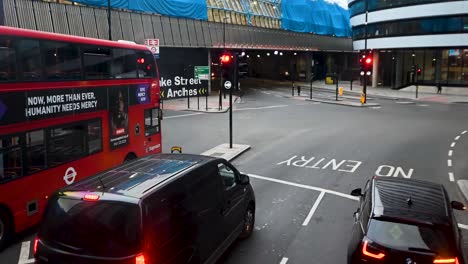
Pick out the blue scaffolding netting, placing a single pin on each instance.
(196, 9)
(315, 16)
(307, 16)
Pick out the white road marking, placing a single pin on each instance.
(314, 207)
(451, 177)
(464, 132)
(404, 102)
(376, 107)
(457, 138)
(259, 108)
(284, 261)
(24, 253)
(304, 186)
(169, 117)
(463, 226)
(423, 105)
(449, 163)
(453, 144)
(450, 153)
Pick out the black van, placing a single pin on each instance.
(165, 208)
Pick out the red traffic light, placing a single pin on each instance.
(419, 70)
(226, 58)
(368, 60)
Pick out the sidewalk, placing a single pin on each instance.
(198, 104)
(425, 93)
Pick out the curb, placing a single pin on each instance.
(241, 148)
(210, 112)
(344, 104)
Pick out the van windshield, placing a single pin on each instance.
(100, 228)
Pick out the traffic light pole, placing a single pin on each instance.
(109, 18)
(365, 50)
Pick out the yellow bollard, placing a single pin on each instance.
(363, 99)
(341, 90)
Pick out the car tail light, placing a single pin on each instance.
(36, 241)
(140, 259)
(446, 260)
(91, 197)
(371, 252)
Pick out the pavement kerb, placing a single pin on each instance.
(343, 103)
(211, 112)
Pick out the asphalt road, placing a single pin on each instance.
(306, 158)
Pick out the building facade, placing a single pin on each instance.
(429, 34)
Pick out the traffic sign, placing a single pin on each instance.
(202, 72)
(153, 45)
(227, 85)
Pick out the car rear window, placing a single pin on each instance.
(406, 236)
(95, 228)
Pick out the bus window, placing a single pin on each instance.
(94, 137)
(10, 158)
(124, 64)
(67, 143)
(62, 61)
(151, 121)
(29, 54)
(35, 151)
(97, 63)
(8, 60)
(145, 65)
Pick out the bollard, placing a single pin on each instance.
(351, 84)
(292, 91)
(336, 81)
(198, 101)
(298, 90)
(188, 101)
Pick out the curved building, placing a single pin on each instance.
(429, 34)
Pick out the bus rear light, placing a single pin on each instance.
(36, 241)
(140, 259)
(448, 260)
(365, 251)
(91, 197)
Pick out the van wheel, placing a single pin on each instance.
(249, 221)
(5, 229)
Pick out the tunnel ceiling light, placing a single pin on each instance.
(276, 52)
(295, 53)
(268, 54)
(281, 53)
(258, 55)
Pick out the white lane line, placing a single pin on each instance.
(463, 226)
(453, 144)
(314, 207)
(284, 261)
(423, 105)
(451, 177)
(450, 153)
(457, 138)
(464, 132)
(169, 117)
(304, 186)
(449, 163)
(24, 253)
(376, 107)
(259, 108)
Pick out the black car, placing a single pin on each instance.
(405, 221)
(166, 208)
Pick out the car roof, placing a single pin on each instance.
(135, 179)
(410, 200)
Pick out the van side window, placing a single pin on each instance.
(227, 175)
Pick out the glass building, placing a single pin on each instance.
(430, 34)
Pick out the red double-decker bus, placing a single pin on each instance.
(69, 108)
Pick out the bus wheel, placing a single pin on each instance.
(130, 157)
(5, 229)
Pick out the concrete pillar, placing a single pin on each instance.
(398, 68)
(375, 69)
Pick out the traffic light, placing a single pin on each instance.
(229, 67)
(366, 62)
(419, 71)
